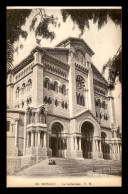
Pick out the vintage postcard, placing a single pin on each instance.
(64, 96)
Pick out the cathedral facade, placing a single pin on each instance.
(59, 105)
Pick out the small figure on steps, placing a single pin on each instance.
(52, 162)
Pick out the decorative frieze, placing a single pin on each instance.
(99, 83)
(81, 68)
(98, 90)
(55, 70)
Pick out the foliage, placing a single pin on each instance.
(16, 19)
(114, 68)
(40, 25)
(81, 17)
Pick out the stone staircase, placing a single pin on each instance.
(68, 167)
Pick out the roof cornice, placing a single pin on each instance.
(30, 58)
(94, 67)
(85, 111)
(23, 63)
(77, 39)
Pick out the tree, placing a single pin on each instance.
(40, 23)
(81, 17)
(114, 68)
(16, 19)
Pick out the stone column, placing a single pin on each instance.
(75, 143)
(115, 147)
(32, 138)
(35, 139)
(86, 98)
(37, 84)
(80, 144)
(94, 145)
(111, 108)
(38, 138)
(91, 105)
(12, 128)
(25, 133)
(27, 139)
(114, 151)
(97, 145)
(72, 82)
(16, 133)
(72, 143)
(120, 148)
(44, 139)
(100, 146)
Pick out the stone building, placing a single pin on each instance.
(59, 105)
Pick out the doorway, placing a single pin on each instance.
(57, 144)
(87, 130)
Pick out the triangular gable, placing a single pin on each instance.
(72, 39)
(86, 111)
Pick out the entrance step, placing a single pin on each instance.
(67, 167)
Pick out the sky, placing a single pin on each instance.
(104, 42)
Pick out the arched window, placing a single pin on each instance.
(23, 88)
(27, 101)
(105, 117)
(80, 82)
(103, 136)
(8, 125)
(55, 86)
(63, 89)
(80, 56)
(112, 134)
(66, 106)
(30, 117)
(63, 104)
(45, 100)
(106, 106)
(80, 99)
(22, 104)
(49, 100)
(29, 85)
(99, 103)
(30, 100)
(56, 102)
(17, 92)
(96, 102)
(103, 104)
(42, 116)
(47, 83)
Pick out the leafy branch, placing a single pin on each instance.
(114, 67)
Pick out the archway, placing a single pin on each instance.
(105, 146)
(87, 131)
(57, 141)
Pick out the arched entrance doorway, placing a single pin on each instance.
(105, 146)
(57, 141)
(87, 131)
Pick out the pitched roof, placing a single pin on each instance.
(71, 39)
(85, 111)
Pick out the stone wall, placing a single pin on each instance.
(10, 146)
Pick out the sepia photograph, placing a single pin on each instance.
(64, 96)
